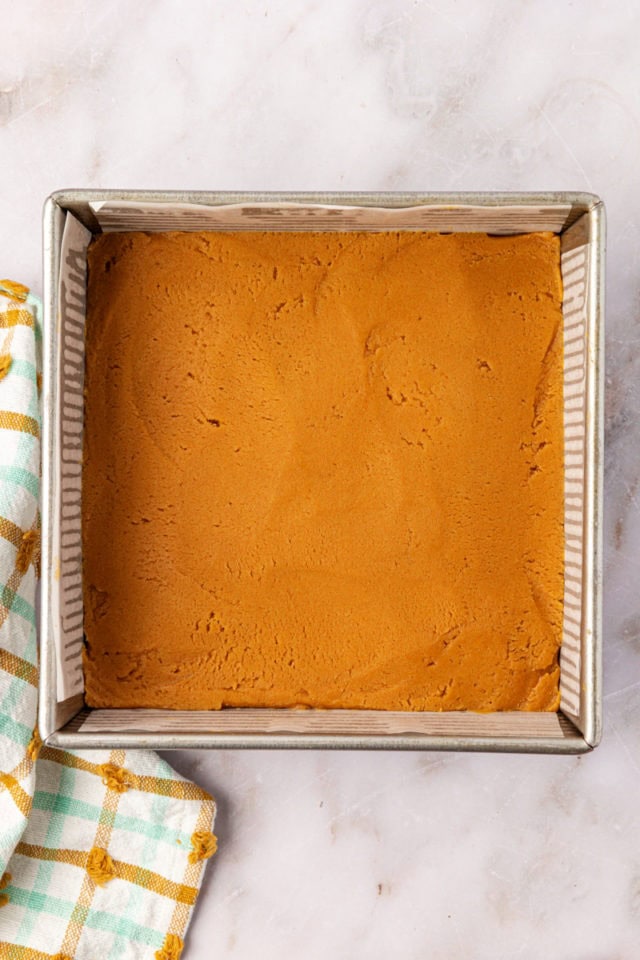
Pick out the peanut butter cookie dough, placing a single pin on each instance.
(323, 469)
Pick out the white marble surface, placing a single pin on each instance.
(372, 856)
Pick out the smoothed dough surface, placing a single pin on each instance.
(323, 469)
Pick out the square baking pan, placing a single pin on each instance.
(70, 219)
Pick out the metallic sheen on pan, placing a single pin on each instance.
(61, 724)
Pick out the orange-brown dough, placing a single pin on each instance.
(323, 469)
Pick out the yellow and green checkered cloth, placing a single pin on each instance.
(101, 854)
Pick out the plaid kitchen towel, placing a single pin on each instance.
(101, 854)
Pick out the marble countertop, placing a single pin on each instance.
(371, 856)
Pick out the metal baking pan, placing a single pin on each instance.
(70, 217)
